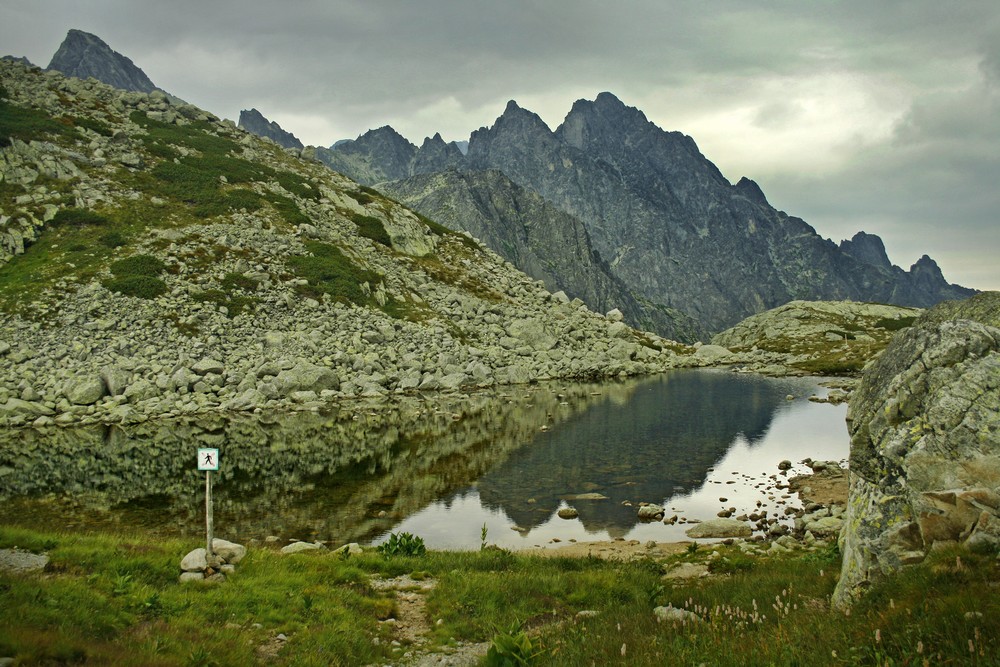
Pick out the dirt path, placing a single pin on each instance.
(412, 626)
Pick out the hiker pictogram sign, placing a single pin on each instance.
(208, 459)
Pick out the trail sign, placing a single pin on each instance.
(208, 459)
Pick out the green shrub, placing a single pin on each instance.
(28, 124)
(234, 281)
(144, 287)
(100, 127)
(77, 217)
(440, 230)
(233, 303)
(331, 272)
(112, 240)
(890, 324)
(198, 135)
(360, 197)
(372, 228)
(512, 649)
(297, 185)
(138, 265)
(288, 210)
(402, 544)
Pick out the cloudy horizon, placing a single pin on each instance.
(851, 115)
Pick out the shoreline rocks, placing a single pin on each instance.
(198, 566)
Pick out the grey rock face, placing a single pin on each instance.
(925, 450)
(867, 248)
(254, 121)
(377, 155)
(536, 237)
(83, 55)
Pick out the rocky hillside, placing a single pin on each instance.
(824, 337)
(157, 261)
(663, 216)
(83, 55)
(254, 121)
(925, 445)
(536, 237)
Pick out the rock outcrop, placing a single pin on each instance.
(925, 445)
(822, 337)
(254, 121)
(84, 55)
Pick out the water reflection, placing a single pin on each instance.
(685, 440)
(439, 468)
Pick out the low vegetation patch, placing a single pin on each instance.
(78, 217)
(29, 125)
(137, 276)
(329, 271)
(372, 228)
(109, 598)
(440, 230)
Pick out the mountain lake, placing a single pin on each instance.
(441, 467)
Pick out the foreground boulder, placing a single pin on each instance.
(925, 446)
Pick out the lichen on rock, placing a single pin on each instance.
(925, 445)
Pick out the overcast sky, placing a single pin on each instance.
(858, 115)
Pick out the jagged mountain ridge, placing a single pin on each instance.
(84, 55)
(535, 237)
(254, 121)
(671, 226)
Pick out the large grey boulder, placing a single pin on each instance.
(306, 377)
(15, 406)
(717, 528)
(85, 390)
(925, 447)
(299, 547)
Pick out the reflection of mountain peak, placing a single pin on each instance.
(675, 429)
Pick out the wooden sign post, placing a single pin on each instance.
(208, 460)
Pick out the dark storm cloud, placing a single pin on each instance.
(882, 116)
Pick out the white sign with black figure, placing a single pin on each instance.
(208, 459)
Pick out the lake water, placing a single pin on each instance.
(440, 467)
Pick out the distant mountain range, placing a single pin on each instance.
(663, 217)
(608, 207)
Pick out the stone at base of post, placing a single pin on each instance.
(209, 520)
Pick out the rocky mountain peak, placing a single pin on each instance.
(254, 121)
(749, 189)
(19, 59)
(926, 273)
(436, 155)
(867, 248)
(84, 55)
(516, 119)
